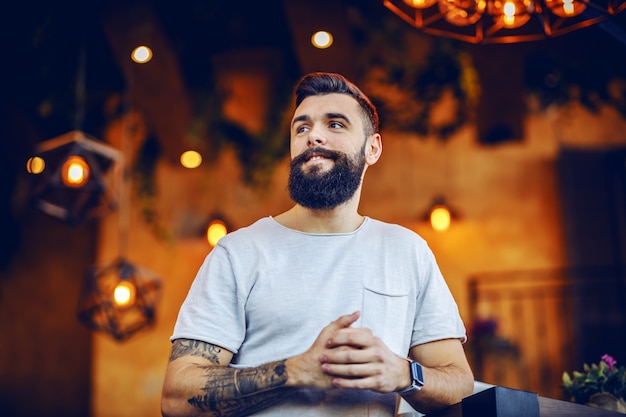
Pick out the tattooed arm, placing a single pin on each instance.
(199, 382)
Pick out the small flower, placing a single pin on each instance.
(603, 377)
(610, 362)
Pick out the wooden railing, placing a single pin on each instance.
(527, 327)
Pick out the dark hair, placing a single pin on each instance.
(320, 83)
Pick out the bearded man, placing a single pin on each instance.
(253, 335)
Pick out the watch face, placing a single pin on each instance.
(417, 379)
(417, 374)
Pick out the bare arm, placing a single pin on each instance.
(198, 382)
(447, 375)
(359, 360)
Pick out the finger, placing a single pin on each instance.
(342, 322)
(347, 320)
(361, 377)
(354, 337)
(350, 371)
(347, 355)
(374, 382)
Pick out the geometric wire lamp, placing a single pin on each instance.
(77, 177)
(119, 299)
(503, 21)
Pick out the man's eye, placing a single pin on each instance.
(335, 125)
(301, 129)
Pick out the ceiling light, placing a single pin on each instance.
(216, 228)
(141, 54)
(322, 39)
(503, 21)
(75, 176)
(119, 299)
(439, 214)
(190, 159)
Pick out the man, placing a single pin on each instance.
(253, 336)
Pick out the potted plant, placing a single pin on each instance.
(601, 385)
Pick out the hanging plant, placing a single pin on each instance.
(587, 66)
(258, 154)
(407, 74)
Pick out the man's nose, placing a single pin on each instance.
(316, 137)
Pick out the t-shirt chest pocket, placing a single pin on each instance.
(385, 313)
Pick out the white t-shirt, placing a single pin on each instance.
(266, 291)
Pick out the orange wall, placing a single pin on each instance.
(506, 198)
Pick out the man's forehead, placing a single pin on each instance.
(328, 103)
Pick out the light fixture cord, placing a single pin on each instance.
(125, 186)
(80, 89)
(79, 92)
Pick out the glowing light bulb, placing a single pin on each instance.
(35, 165)
(75, 171)
(141, 54)
(190, 159)
(420, 4)
(566, 8)
(509, 13)
(216, 230)
(440, 218)
(322, 39)
(124, 294)
(512, 13)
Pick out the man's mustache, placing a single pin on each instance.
(309, 153)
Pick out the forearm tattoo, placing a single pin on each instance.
(186, 347)
(233, 391)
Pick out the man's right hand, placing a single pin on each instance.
(305, 370)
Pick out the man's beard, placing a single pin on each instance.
(325, 190)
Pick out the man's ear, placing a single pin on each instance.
(374, 149)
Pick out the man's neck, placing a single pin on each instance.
(341, 219)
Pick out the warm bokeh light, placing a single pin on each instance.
(215, 231)
(420, 4)
(124, 294)
(566, 8)
(35, 165)
(440, 218)
(513, 13)
(141, 54)
(462, 13)
(75, 171)
(322, 39)
(509, 13)
(190, 159)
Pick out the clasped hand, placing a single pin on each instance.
(348, 357)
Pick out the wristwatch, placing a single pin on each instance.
(417, 379)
